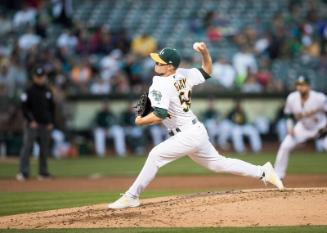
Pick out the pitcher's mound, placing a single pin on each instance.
(234, 208)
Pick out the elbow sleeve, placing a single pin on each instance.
(204, 74)
(161, 113)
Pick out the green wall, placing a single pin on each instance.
(83, 111)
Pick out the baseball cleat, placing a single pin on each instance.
(269, 175)
(126, 201)
(21, 177)
(45, 176)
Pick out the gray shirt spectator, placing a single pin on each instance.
(224, 73)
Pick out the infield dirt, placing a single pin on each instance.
(255, 207)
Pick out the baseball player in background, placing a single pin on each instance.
(170, 95)
(306, 118)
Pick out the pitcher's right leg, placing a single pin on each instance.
(208, 157)
(164, 153)
(282, 156)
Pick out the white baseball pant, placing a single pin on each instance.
(301, 134)
(239, 131)
(117, 133)
(194, 142)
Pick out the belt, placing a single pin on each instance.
(173, 132)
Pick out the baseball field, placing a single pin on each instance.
(183, 198)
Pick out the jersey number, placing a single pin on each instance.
(185, 99)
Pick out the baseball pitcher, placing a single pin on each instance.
(306, 118)
(170, 96)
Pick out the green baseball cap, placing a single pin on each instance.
(167, 56)
(302, 79)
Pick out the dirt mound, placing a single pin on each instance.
(263, 207)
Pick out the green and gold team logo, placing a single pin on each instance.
(156, 95)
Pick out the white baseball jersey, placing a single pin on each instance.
(307, 127)
(315, 107)
(173, 93)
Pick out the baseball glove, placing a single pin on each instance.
(143, 105)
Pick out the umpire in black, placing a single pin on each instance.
(38, 109)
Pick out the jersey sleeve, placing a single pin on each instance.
(288, 106)
(195, 76)
(325, 103)
(159, 94)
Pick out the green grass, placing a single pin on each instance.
(300, 163)
(25, 202)
(307, 229)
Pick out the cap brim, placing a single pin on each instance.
(302, 83)
(156, 58)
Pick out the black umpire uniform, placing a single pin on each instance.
(38, 109)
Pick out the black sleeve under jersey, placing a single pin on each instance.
(161, 112)
(204, 74)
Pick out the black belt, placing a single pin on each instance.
(178, 130)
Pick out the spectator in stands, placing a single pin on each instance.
(24, 17)
(241, 128)
(13, 76)
(312, 48)
(81, 75)
(83, 46)
(133, 133)
(277, 37)
(59, 77)
(245, 64)
(6, 25)
(110, 65)
(100, 87)
(143, 45)
(67, 40)
(38, 109)
(133, 69)
(62, 12)
(261, 45)
(29, 40)
(120, 84)
(7, 83)
(251, 85)
(213, 34)
(18, 73)
(224, 73)
(107, 126)
(264, 76)
(322, 32)
(121, 41)
(101, 42)
(211, 120)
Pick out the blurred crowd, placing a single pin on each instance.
(296, 33)
(94, 60)
(82, 59)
